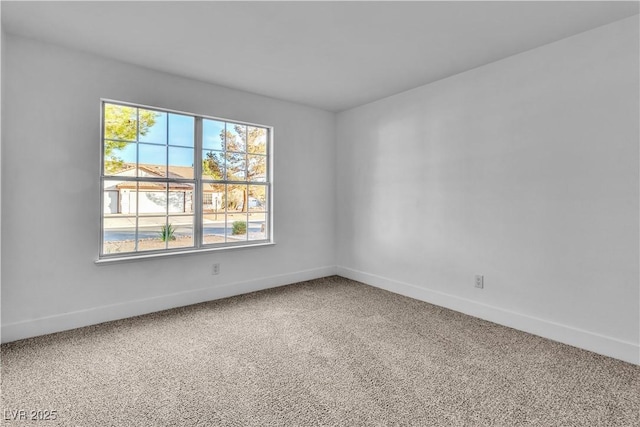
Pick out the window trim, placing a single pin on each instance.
(198, 182)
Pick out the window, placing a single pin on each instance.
(175, 182)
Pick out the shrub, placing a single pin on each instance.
(166, 233)
(239, 227)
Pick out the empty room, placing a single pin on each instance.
(421, 213)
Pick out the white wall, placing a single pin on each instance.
(525, 171)
(50, 193)
(2, 70)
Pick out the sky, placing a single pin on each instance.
(179, 129)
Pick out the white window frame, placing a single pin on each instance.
(198, 181)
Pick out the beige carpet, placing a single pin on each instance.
(324, 352)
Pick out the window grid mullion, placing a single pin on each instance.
(167, 185)
(137, 214)
(197, 199)
(167, 236)
(226, 211)
(150, 179)
(135, 246)
(226, 185)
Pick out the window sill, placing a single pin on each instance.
(141, 257)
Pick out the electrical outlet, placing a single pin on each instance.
(216, 269)
(479, 281)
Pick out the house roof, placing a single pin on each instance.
(184, 172)
(159, 170)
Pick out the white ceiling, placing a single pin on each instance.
(331, 55)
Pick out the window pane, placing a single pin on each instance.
(181, 130)
(184, 194)
(213, 164)
(237, 227)
(180, 232)
(235, 199)
(236, 166)
(212, 135)
(257, 168)
(119, 234)
(119, 158)
(180, 162)
(153, 161)
(151, 198)
(120, 197)
(111, 197)
(180, 198)
(233, 216)
(213, 235)
(213, 213)
(150, 232)
(258, 226)
(212, 198)
(153, 127)
(236, 138)
(257, 198)
(256, 140)
(120, 122)
(177, 200)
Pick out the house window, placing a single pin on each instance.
(174, 182)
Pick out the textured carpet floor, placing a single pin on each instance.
(324, 352)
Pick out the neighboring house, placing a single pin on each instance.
(121, 197)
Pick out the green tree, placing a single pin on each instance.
(240, 157)
(235, 155)
(121, 125)
(212, 165)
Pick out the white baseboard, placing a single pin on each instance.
(76, 319)
(626, 351)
